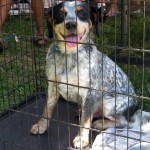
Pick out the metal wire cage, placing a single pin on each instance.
(125, 38)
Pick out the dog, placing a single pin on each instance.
(82, 74)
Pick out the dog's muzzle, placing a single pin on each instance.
(72, 38)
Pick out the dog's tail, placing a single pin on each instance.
(141, 120)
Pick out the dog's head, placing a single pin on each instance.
(71, 22)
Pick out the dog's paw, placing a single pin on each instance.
(97, 125)
(38, 129)
(80, 141)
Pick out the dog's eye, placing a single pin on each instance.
(60, 16)
(81, 14)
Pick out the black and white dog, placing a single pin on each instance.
(80, 73)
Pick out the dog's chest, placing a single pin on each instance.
(71, 72)
(71, 69)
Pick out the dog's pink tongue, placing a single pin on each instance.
(72, 40)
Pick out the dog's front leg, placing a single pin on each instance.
(43, 123)
(82, 138)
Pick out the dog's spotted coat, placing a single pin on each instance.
(82, 74)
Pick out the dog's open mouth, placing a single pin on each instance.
(73, 39)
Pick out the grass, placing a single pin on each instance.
(22, 64)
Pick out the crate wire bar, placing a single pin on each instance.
(23, 85)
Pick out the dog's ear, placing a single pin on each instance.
(94, 18)
(50, 23)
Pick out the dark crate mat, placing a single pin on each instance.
(15, 127)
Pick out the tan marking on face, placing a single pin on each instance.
(63, 9)
(78, 8)
(90, 25)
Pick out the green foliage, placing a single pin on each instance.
(22, 65)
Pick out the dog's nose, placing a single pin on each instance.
(71, 25)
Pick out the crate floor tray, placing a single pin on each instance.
(15, 127)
